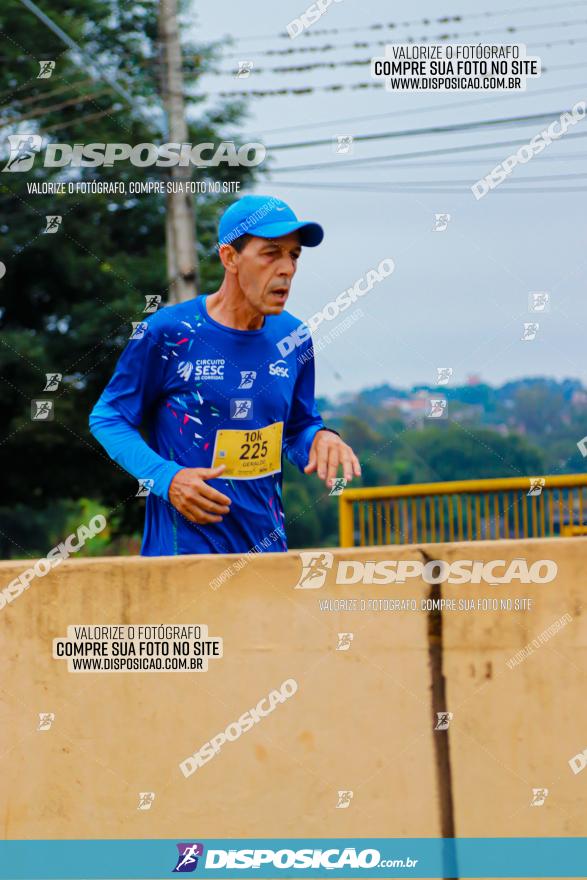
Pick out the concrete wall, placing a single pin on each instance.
(362, 719)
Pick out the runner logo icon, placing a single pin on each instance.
(247, 378)
(187, 860)
(23, 149)
(241, 409)
(314, 569)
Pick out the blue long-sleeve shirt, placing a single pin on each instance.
(210, 394)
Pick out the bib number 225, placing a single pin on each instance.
(253, 446)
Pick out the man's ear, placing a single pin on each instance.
(229, 258)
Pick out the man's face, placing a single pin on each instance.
(265, 270)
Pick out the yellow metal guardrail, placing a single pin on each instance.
(464, 510)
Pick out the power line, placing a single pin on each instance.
(445, 19)
(441, 151)
(467, 182)
(477, 160)
(42, 111)
(432, 129)
(433, 184)
(430, 108)
(31, 82)
(40, 96)
(380, 187)
(91, 62)
(86, 118)
(363, 45)
(334, 87)
(303, 90)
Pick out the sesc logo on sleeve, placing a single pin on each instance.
(248, 455)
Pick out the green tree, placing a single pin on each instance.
(456, 453)
(68, 299)
(538, 409)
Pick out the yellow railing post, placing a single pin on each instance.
(345, 522)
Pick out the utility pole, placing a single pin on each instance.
(180, 226)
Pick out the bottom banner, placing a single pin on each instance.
(264, 858)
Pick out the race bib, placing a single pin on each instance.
(248, 455)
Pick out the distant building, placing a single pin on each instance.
(412, 407)
(579, 397)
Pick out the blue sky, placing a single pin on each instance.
(457, 298)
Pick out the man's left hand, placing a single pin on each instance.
(327, 453)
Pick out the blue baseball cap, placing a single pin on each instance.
(265, 217)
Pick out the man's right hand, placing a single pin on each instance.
(190, 494)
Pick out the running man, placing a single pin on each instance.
(221, 404)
